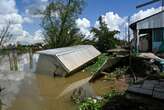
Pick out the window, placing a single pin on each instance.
(158, 35)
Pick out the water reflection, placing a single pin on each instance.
(43, 92)
(13, 61)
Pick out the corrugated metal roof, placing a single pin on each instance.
(58, 50)
(156, 21)
(133, 25)
(73, 57)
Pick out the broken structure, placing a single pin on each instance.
(62, 61)
(152, 88)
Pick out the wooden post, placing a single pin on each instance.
(31, 58)
(138, 41)
(10, 60)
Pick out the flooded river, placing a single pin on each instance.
(43, 92)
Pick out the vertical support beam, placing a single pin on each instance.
(162, 5)
(128, 30)
(138, 41)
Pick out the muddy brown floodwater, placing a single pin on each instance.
(42, 92)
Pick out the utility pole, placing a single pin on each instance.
(129, 30)
(162, 5)
(151, 2)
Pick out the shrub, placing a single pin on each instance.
(97, 64)
(117, 73)
(90, 104)
(97, 104)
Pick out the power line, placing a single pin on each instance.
(148, 3)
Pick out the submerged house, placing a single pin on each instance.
(149, 33)
(63, 61)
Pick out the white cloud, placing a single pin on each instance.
(44, 0)
(37, 37)
(7, 7)
(84, 23)
(115, 22)
(27, 20)
(15, 18)
(8, 12)
(143, 14)
(84, 26)
(36, 7)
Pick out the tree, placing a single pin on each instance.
(104, 38)
(5, 34)
(59, 23)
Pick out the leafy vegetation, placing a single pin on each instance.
(97, 104)
(90, 104)
(60, 28)
(104, 38)
(97, 63)
(115, 100)
(59, 23)
(111, 94)
(117, 73)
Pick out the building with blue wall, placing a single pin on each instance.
(152, 27)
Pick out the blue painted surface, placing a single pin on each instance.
(156, 45)
(160, 64)
(157, 39)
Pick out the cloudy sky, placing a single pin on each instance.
(26, 24)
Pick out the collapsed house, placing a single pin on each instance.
(62, 61)
(149, 33)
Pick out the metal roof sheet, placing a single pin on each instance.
(156, 21)
(133, 25)
(73, 57)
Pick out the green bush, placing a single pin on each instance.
(117, 73)
(97, 104)
(90, 104)
(98, 63)
(112, 94)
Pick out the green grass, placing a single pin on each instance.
(97, 64)
(162, 75)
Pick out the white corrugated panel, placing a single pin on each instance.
(58, 50)
(72, 58)
(156, 21)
